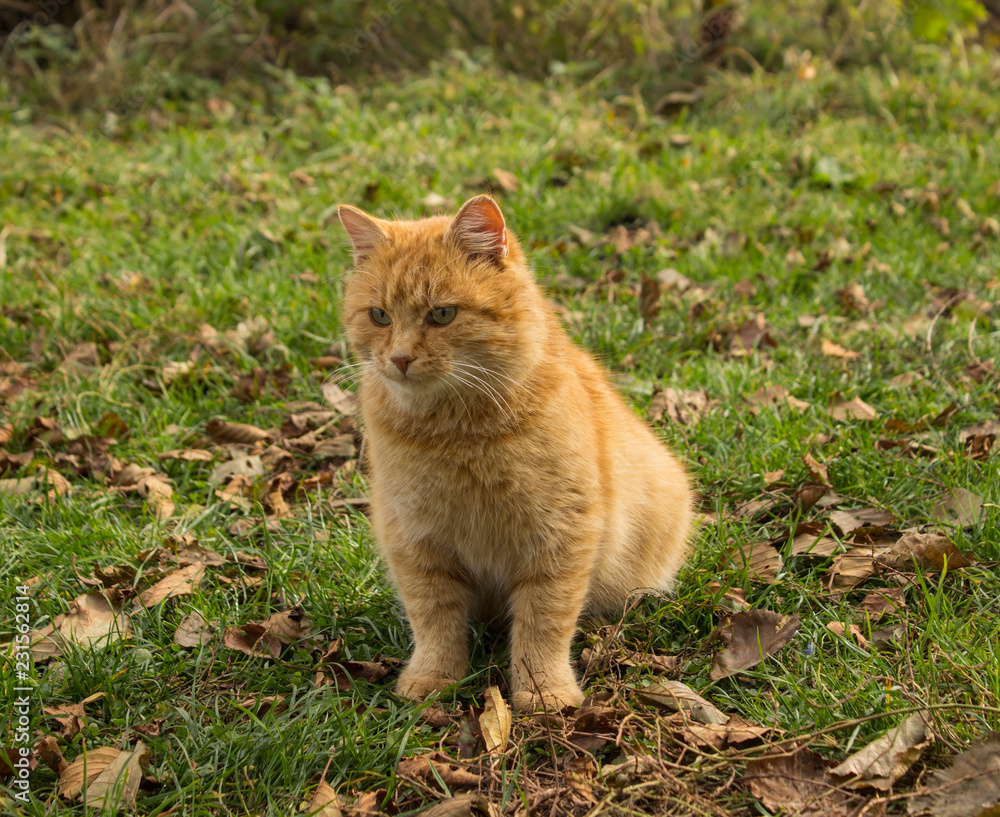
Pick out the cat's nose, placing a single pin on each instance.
(402, 360)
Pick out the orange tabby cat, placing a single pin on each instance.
(507, 477)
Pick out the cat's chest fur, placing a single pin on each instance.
(492, 501)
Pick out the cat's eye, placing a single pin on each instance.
(380, 316)
(442, 315)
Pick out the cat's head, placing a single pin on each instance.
(440, 307)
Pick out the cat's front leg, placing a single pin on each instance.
(437, 605)
(545, 612)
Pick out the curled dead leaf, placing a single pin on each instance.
(92, 622)
(750, 637)
(678, 697)
(970, 787)
(181, 582)
(194, 631)
(222, 431)
(883, 761)
(252, 639)
(494, 723)
(428, 768)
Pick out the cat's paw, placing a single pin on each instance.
(548, 699)
(416, 685)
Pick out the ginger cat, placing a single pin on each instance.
(507, 476)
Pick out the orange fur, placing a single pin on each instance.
(507, 476)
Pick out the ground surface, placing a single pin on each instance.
(818, 338)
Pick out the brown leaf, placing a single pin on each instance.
(48, 751)
(797, 784)
(92, 622)
(678, 697)
(809, 544)
(222, 431)
(682, 407)
(182, 582)
(109, 776)
(853, 567)
(649, 299)
(928, 551)
(831, 349)
(340, 446)
(808, 494)
(888, 601)
(773, 395)
(290, 625)
(734, 732)
(753, 334)
(959, 507)
(853, 409)
(70, 717)
(750, 637)
(325, 802)
(194, 631)
(346, 672)
(761, 560)
(6, 433)
(250, 466)
(494, 723)
(817, 471)
(252, 639)
(342, 401)
(186, 454)
(463, 805)
(850, 630)
(853, 297)
(505, 180)
(451, 774)
(52, 483)
(885, 760)
(970, 787)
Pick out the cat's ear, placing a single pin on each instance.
(364, 231)
(479, 227)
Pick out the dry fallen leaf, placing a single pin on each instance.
(427, 768)
(853, 409)
(110, 777)
(885, 760)
(750, 637)
(181, 582)
(289, 625)
(48, 751)
(341, 400)
(194, 631)
(760, 560)
(494, 723)
(70, 717)
(252, 639)
(928, 551)
(92, 622)
(773, 395)
(222, 432)
(463, 805)
(959, 508)
(678, 697)
(682, 407)
(505, 180)
(888, 601)
(831, 349)
(816, 469)
(249, 466)
(970, 787)
(325, 802)
(850, 631)
(716, 735)
(797, 784)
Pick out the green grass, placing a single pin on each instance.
(189, 217)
